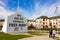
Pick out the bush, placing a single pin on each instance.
(44, 28)
(47, 29)
(31, 27)
(58, 29)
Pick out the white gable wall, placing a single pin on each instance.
(9, 29)
(38, 23)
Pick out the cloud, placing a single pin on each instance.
(46, 10)
(1, 3)
(25, 13)
(3, 11)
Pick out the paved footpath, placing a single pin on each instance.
(38, 38)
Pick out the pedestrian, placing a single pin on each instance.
(54, 32)
(50, 32)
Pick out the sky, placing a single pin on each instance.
(31, 9)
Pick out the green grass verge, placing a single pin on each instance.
(38, 34)
(58, 39)
(47, 29)
(12, 37)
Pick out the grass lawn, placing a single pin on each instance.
(58, 39)
(12, 37)
(16, 37)
(38, 34)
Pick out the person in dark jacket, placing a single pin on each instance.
(50, 32)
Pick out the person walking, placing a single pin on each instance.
(50, 32)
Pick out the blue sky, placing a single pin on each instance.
(30, 9)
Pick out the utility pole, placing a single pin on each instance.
(56, 19)
(56, 10)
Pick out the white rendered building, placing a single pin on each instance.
(15, 23)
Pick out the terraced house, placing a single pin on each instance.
(45, 22)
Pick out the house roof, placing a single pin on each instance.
(42, 17)
(32, 20)
(48, 17)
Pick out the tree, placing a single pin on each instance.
(31, 27)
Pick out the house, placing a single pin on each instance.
(33, 22)
(42, 22)
(15, 23)
(45, 22)
(55, 21)
(1, 23)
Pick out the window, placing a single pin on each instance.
(54, 26)
(53, 23)
(43, 23)
(19, 15)
(43, 19)
(21, 18)
(16, 18)
(19, 24)
(50, 24)
(10, 24)
(23, 24)
(56, 23)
